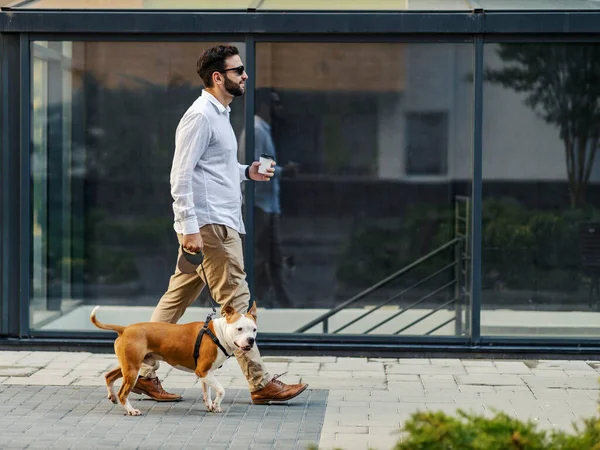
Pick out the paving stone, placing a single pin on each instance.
(7, 371)
(477, 363)
(445, 362)
(402, 377)
(81, 416)
(414, 369)
(561, 382)
(489, 380)
(352, 364)
(367, 396)
(482, 369)
(419, 361)
(429, 386)
(582, 373)
(562, 365)
(512, 367)
(437, 378)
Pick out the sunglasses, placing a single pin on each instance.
(239, 70)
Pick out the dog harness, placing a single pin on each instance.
(214, 338)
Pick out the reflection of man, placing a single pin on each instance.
(206, 188)
(269, 261)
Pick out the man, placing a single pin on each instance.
(206, 188)
(269, 262)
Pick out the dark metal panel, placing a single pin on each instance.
(25, 187)
(542, 342)
(9, 185)
(542, 22)
(545, 38)
(238, 22)
(360, 348)
(3, 191)
(476, 235)
(270, 37)
(250, 64)
(137, 37)
(374, 23)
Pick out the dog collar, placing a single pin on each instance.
(214, 338)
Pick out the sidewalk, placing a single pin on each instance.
(58, 400)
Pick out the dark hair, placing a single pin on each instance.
(213, 60)
(264, 96)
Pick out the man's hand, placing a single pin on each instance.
(254, 175)
(193, 243)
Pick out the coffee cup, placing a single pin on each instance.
(265, 163)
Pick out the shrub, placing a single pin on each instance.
(439, 431)
(522, 248)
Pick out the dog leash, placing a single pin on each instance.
(210, 316)
(213, 301)
(198, 259)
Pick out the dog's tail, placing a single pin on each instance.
(118, 328)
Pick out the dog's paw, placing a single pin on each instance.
(217, 409)
(113, 399)
(134, 412)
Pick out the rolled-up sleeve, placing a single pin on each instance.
(191, 141)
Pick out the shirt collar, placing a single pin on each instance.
(211, 98)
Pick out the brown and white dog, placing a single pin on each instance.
(175, 344)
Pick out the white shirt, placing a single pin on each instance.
(206, 176)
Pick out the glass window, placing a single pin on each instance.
(265, 5)
(546, 5)
(373, 145)
(426, 143)
(136, 4)
(541, 174)
(104, 116)
(370, 5)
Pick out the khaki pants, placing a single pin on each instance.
(224, 267)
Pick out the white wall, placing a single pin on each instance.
(517, 143)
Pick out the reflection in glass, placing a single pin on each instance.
(374, 146)
(104, 116)
(373, 149)
(540, 211)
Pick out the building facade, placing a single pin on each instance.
(441, 190)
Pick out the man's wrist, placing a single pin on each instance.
(247, 173)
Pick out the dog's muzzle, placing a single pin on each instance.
(248, 346)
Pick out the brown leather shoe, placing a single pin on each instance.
(153, 389)
(276, 391)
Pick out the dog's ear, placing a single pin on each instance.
(228, 312)
(253, 312)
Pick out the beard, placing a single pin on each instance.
(233, 88)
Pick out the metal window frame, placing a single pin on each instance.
(476, 28)
(10, 229)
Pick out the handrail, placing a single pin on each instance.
(451, 319)
(376, 286)
(449, 302)
(394, 297)
(408, 308)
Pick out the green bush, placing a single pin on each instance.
(106, 265)
(522, 248)
(439, 431)
(374, 252)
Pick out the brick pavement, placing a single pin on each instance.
(76, 417)
(366, 400)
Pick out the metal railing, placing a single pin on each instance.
(324, 317)
(460, 265)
